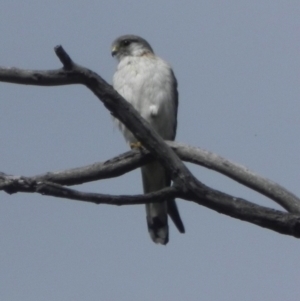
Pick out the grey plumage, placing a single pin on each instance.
(149, 84)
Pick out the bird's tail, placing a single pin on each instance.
(157, 222)
(155, 178)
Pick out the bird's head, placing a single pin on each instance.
(130, 45)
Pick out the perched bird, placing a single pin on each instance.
(148, 83)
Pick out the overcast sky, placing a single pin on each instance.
(238, 66)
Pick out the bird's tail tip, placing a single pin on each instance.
(159, 231)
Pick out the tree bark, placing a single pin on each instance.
(185, 185)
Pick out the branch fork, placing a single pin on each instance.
(185, 185)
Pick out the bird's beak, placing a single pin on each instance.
(114, 50)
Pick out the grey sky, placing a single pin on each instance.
(237, 64)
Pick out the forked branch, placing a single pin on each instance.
(170, 154)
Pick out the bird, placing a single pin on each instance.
(148, 83)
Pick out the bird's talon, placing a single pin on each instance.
(136, 145)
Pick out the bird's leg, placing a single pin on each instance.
(136, 145)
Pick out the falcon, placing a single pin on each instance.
(148, 83)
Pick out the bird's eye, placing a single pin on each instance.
(126, 42)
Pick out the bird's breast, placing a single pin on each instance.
(146, 83)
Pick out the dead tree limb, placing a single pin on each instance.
(185, 185)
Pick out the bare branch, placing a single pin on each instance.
(187, 186)
(64, 57)
(114, 167)
(117, 105)
(37, 77)
(56, 190)
(133, 159)
(238, 173)
(275, 220)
